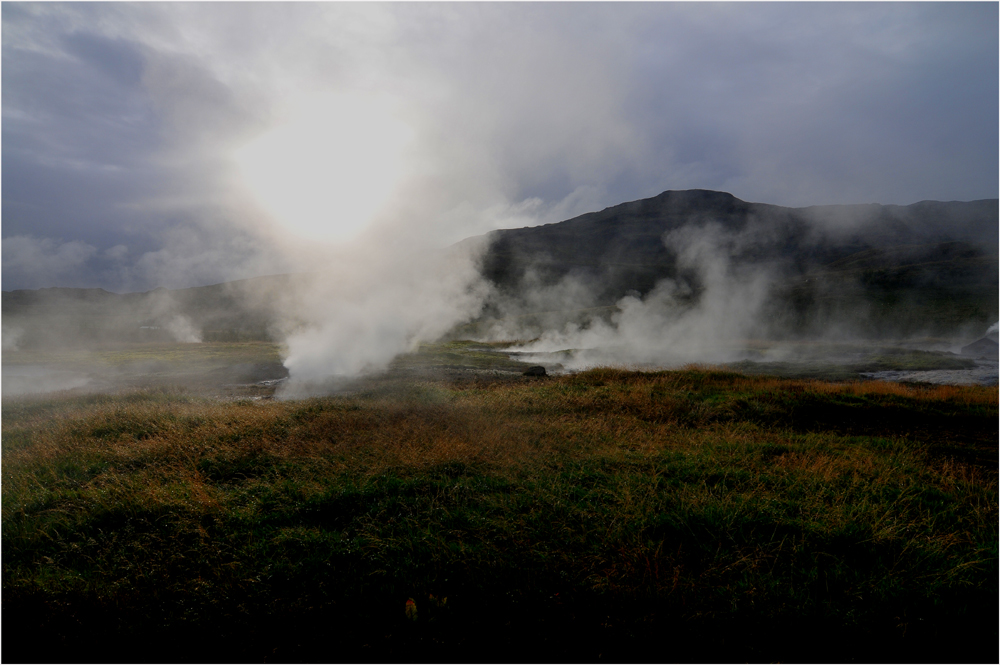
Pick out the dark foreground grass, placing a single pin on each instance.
(692, 516)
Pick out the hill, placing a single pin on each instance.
(931, 266)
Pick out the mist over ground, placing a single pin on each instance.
(685, 277)
(357, 317)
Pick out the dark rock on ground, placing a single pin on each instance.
(537, 370)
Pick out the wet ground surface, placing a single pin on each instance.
(254, 371)
(235, 372)
(806, 361)
(985, 373)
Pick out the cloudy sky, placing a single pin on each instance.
(181, 144)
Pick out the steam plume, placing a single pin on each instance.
(680, 320)
(360, 314)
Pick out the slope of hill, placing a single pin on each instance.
(929, 267)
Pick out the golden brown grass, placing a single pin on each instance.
(687, 494)
(500, 425)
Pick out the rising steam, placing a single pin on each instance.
(680, 320)
(357, 316)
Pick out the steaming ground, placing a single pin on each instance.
(683, 278)
(373, 304)
(249, 369)
(254, 370)
(912, 361)
(730, 287)
(40, 379)
(376, 313)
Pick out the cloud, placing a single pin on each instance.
(43, 260)
(121, 121)
(118, 252)
(207, 251)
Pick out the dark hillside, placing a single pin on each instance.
(927, 265)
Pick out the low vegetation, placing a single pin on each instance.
(686, 515)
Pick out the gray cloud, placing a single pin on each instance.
(45, 258)
(120, 121)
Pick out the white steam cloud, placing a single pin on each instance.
(11, 337)
(183, 330)
(361, 313)
(674, 323)
(179, 326)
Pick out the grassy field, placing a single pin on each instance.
(695, 515)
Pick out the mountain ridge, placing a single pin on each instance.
(633, 246)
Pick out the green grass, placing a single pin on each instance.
(604, 513)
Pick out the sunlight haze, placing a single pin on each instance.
(186, 144)
(328, 167)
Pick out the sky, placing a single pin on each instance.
(183, 144)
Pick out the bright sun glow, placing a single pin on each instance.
(328, 169)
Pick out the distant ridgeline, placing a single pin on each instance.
(929, 268)
(883, 270)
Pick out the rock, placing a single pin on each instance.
(537, 370)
